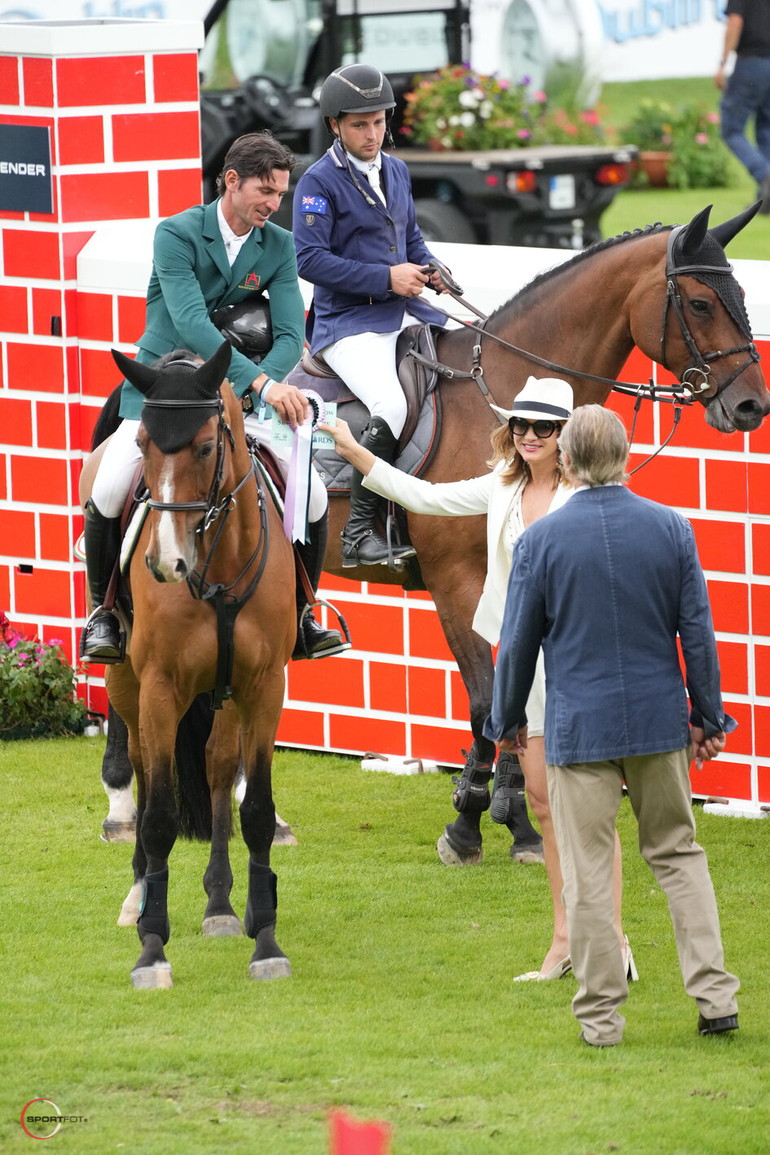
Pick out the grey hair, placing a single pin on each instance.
(595, 445)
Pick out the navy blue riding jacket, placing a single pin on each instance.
(346, 240)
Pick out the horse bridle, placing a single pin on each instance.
(221, 597)
(703, 361)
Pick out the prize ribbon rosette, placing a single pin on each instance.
(298, 479)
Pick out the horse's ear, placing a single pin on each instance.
(725, 232)
(694, 234)
(213, 372)
(141, 376)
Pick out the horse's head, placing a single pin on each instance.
(706, 338)
(183, 437)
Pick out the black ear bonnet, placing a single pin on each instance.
(180, 397)
(697, 251)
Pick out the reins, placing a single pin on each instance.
(679, 395)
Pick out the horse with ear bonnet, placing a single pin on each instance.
(212, 536)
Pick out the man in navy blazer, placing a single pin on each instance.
(606, 585)
(205, 258)
(358, 243)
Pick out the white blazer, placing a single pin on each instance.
(485, 494)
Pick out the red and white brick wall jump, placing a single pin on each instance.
(120, 102)
(123, 115)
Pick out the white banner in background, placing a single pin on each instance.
(617, 39)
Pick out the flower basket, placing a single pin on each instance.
(37, 688)
(460, 109)
(680, 147)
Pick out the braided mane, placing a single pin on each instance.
(585, 254)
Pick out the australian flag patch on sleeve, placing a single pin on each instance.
(315, 204)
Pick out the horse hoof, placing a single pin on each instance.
(222, 925)
(450, 857)
(284, 836)
(118, 831)
(154, 978)
(270, 968)
(527, 855)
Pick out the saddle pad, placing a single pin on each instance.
(131, 536)
(336, 473)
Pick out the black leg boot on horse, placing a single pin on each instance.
(361, 544)
(460, 844)
(101, 641)
(509, 808)
(313, 641)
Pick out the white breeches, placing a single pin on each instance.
(366, 362)
(121, 456)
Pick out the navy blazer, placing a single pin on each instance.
(346, 241)
(191, 277)
(606, 584)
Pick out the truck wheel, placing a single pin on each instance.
(441, 222)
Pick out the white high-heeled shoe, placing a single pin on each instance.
(558, 972)
(632, 974)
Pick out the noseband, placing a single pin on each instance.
(697, 376)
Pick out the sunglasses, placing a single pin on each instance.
(518, 426)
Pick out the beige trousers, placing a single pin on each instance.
(585, 798)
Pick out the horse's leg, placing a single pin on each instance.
(222, 763)
(284, 835)
(461, 842)
(123, 690)
(157, 830)
(118, 782)
(258, 827)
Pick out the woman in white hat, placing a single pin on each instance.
(525, 483)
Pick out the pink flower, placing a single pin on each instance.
(701, 138)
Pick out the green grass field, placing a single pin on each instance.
(401, 1007)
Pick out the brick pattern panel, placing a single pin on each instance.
(119, 151)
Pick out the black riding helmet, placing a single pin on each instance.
(355, 88)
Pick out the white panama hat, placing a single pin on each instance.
(546, 399)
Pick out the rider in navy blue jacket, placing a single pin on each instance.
(360, 246)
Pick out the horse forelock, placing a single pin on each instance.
(580, 258)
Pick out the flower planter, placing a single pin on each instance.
(655, 167)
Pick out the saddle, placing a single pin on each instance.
(417, 367)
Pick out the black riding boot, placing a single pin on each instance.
(313, 641)
(361, 544)
(101, 634)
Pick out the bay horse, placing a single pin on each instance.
(670, 291)
(212, 587)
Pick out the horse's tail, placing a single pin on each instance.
(109, 418)
(192, 788)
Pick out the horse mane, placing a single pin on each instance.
(584, 255)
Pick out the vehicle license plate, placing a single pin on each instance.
(561, 191)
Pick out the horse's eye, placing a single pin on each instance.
(700, 306)
(206, 450)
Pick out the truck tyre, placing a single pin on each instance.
(441, 222)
